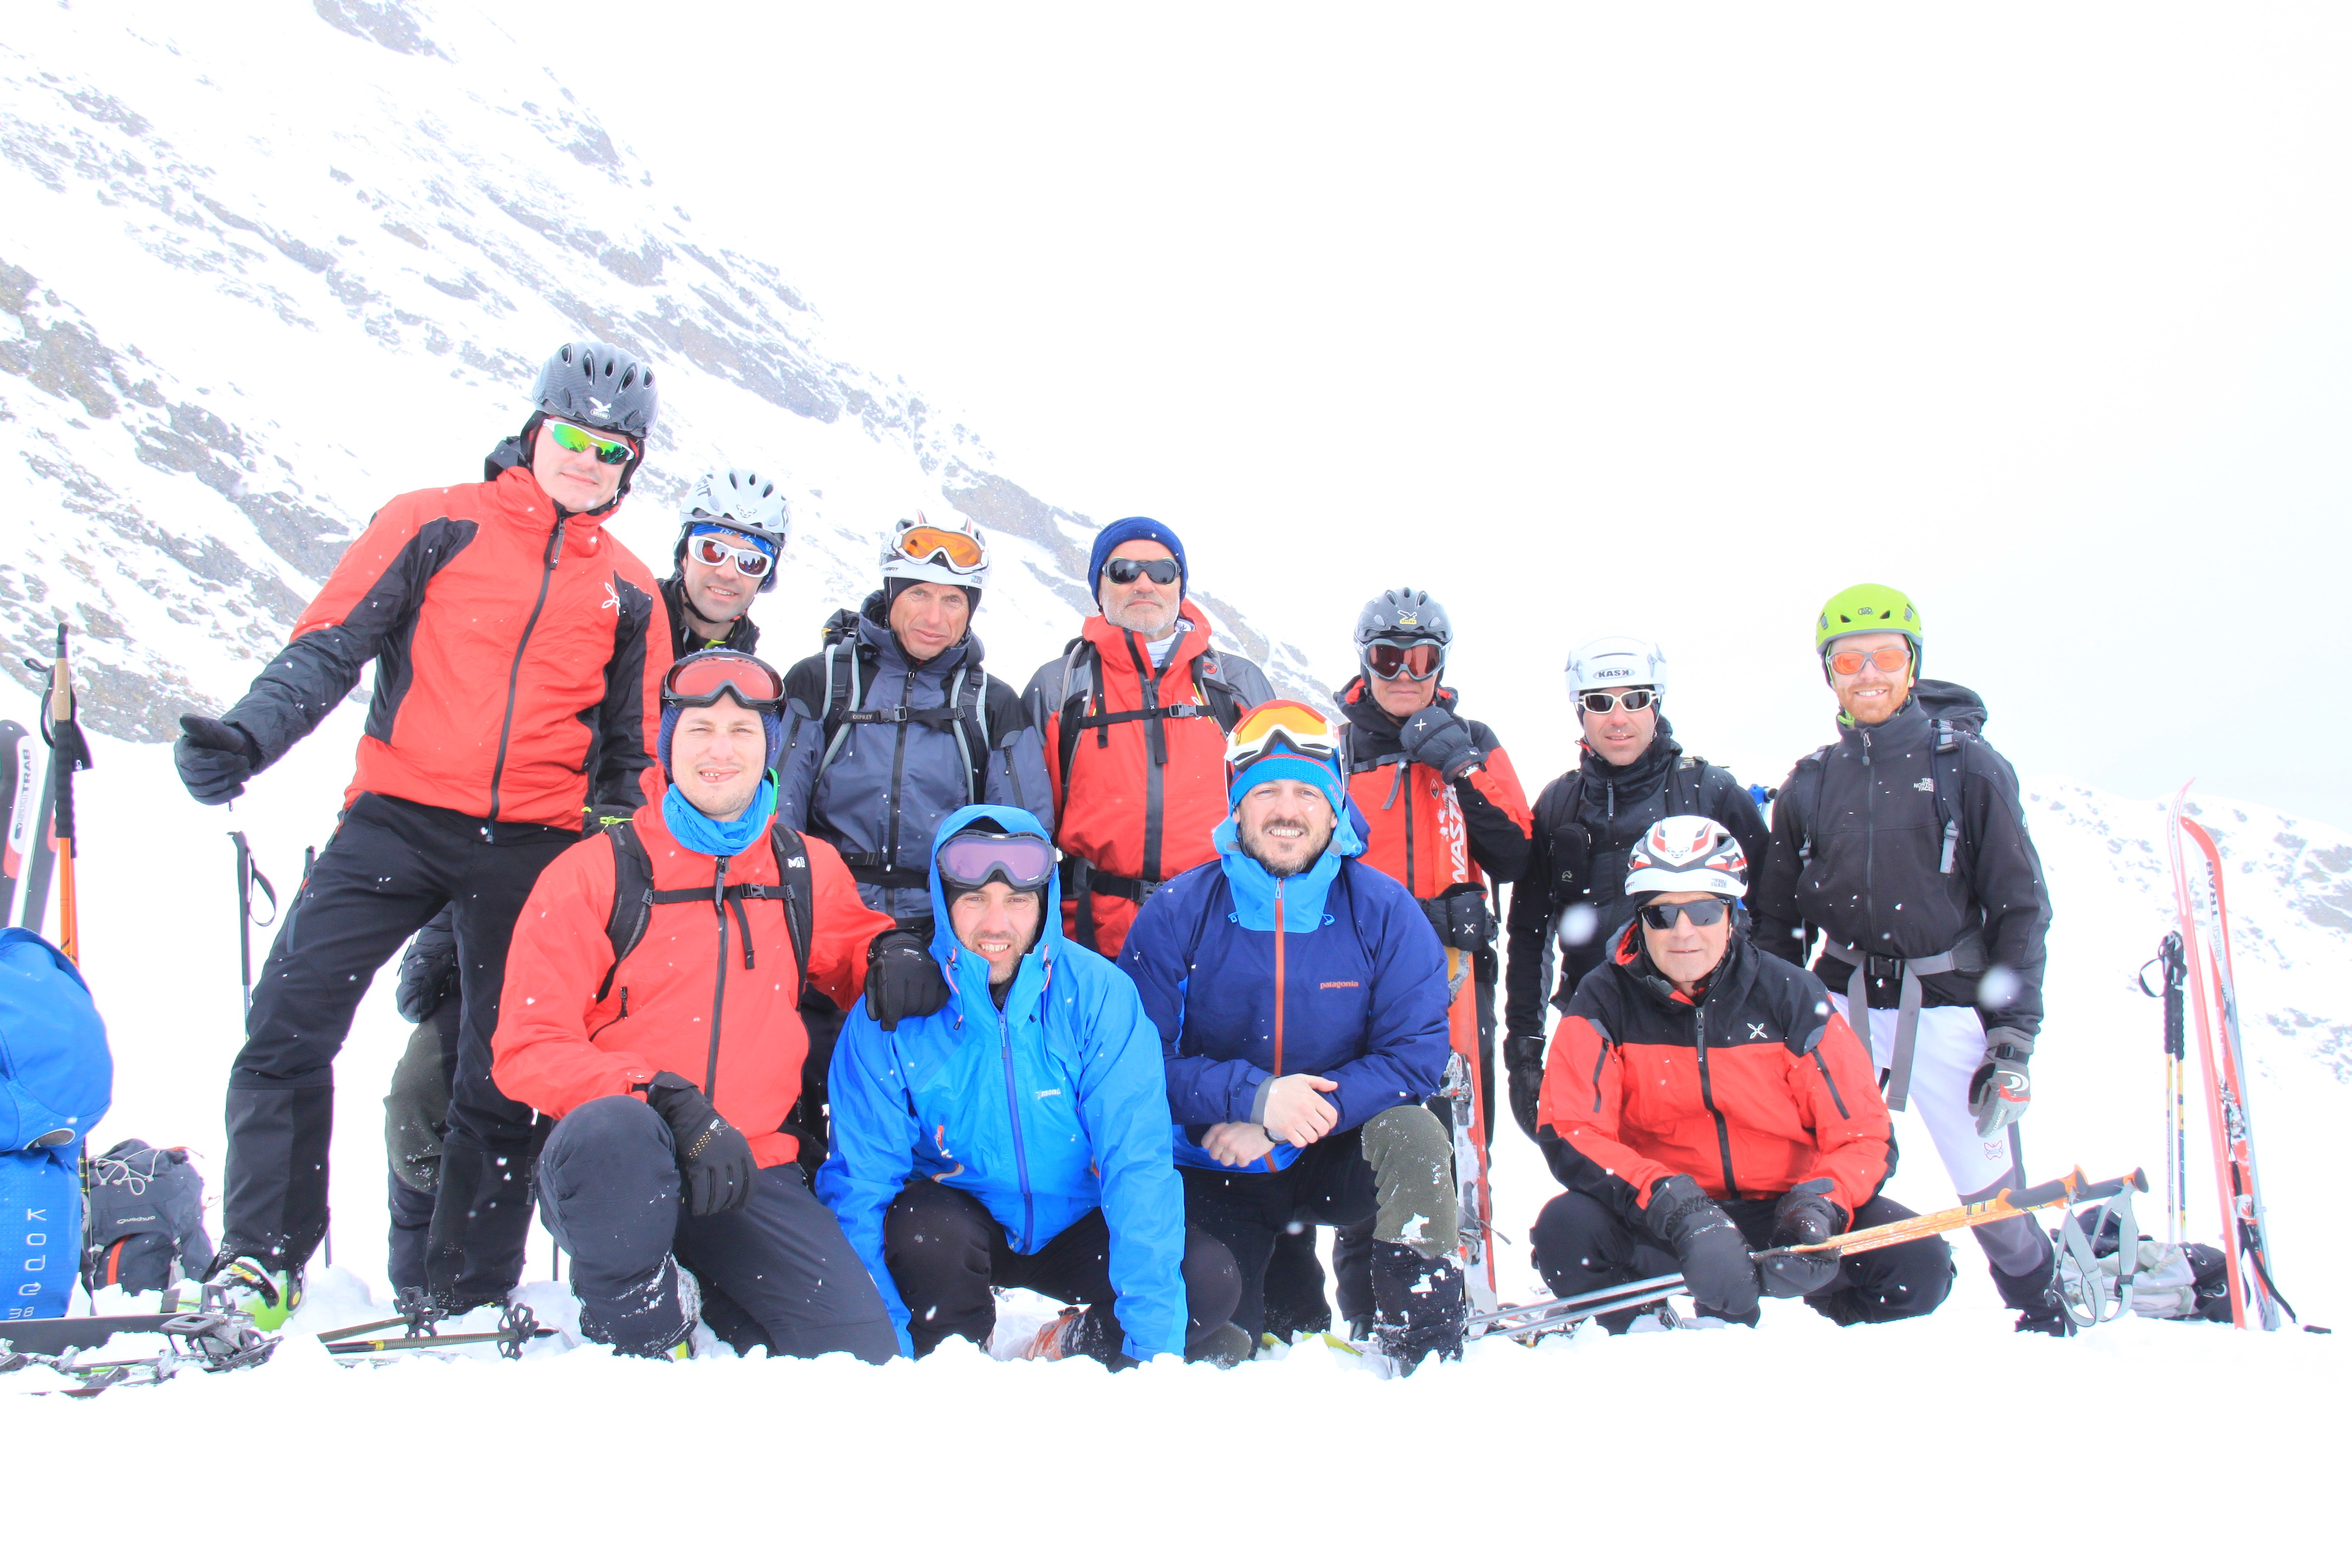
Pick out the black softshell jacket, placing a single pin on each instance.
(1876, 883)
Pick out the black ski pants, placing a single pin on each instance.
(390, 868)
(1582, 1244)
(1392, 1179)
(947, 1254)
(776, 1272)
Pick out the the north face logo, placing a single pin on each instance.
(1925, 785)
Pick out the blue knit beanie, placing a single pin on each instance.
(1125, 530)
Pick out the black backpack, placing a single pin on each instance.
(634, 896)
(144, 1226)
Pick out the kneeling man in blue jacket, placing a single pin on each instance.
(1301, 998)
(1000, 1119)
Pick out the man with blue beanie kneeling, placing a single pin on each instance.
(652, 1003)
(1016, 1132)
(1295, 1078)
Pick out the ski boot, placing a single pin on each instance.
(249, 1286)
(2040, 1310)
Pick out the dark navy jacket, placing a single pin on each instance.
(1361, 999)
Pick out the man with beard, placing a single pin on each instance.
(1295, 1078)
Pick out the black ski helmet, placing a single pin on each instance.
(1404, 614)
(600, 387)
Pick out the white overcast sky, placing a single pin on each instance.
(1660, 320)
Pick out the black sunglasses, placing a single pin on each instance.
(1706, 912)
(1126, 569)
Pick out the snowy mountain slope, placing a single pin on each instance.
(258, 279)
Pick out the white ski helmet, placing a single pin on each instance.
(742, 501)
(1687, 855)
(1616, 662)
(954, 552)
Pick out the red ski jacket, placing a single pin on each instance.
(558, 1046)
(1427, 834)
(1137, 758)
(514, 680)
(1754, 1087)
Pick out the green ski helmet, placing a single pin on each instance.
(1870, 607)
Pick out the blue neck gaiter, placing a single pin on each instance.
(704, 836)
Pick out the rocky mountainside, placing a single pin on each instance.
(258, 278)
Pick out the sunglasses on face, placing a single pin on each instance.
(1849, 661)
(1409, 660)
(610, 449)
(1126, 569)
(713, 550)
(962, 549)
(1633, 702)
(1704, 912)
(700, 680)
(1024, 861)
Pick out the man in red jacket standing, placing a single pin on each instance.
(652, 1003)
(1134, 716)
(519, 651)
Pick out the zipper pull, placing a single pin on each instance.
(555, 547)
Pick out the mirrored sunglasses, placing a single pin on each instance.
(609, 450)
(713, 550)
(1702, 912)
(1850, 661)
(1126, 569)
(1633, 702)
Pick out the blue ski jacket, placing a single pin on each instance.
(1045, 1110)
(1335, 971)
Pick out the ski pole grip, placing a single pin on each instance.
(2040, 1194)
(2136, 1181)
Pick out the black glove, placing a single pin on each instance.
(713, 1156)
(1436, 739)
(214, 759)
(2002, 1089)
(428, 969)
(1462, 917)
(902, 980)
(1804, 1216)
(1523, 1064)
(1717, 1268)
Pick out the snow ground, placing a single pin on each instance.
(1697, 1440)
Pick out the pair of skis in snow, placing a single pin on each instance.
(2201, 957)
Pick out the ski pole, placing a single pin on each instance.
(67, 753)
(2172, 966)
(250, 877)
(2066, 1191)
(1606, 1299)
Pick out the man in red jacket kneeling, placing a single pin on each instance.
(652, 1003)
(1701, 1099)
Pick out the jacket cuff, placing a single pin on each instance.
(1258, 1099)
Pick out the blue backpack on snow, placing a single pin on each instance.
(57, 1080)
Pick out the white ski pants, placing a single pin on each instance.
(1946, 1053)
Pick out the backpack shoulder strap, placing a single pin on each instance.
(1683, 784)
(1074, 702)
(1818, 761)
(1949, 739)
(799, 892)
(633, 898)
(843, 681)
(1224, 699)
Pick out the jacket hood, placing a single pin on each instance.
(1255, 888)
(966, 971)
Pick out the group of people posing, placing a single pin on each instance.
(818, 1007)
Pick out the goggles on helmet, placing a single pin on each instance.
(610, 450)
(958, 550)
(699, 679)
(1413, 660)
(1023, 862)
(1281, 726)
(713, 550)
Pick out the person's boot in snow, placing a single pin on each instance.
(653, 1320)
(268, 1295)
(1419, 1305)
(2035, 1297)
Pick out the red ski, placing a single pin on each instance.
(2220, 1048)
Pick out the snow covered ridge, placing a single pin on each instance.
(258, 279)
